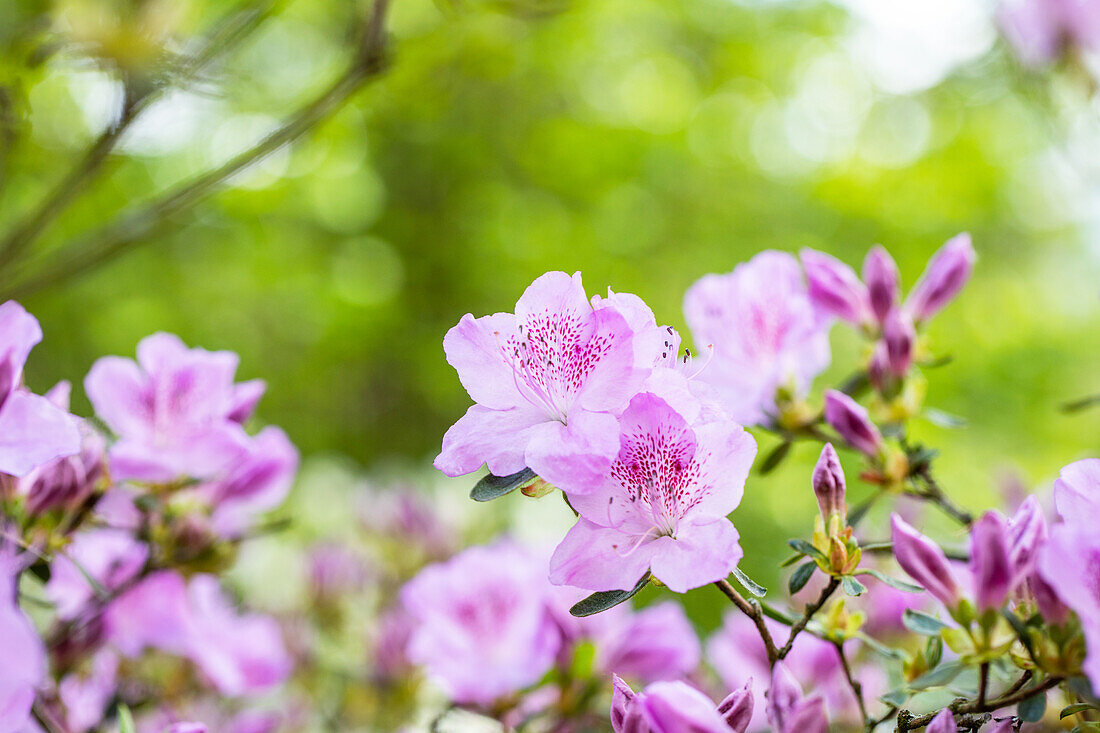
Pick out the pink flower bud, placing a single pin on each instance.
(944, 722)
(849, 419)
(924, 562)
(943, 278)
(1050, 605)
(899, 335)
(828, 481)
(878, 369)
(834, 287)
(880, 273)
(989, 561)
(737, 708)
(1026, 534)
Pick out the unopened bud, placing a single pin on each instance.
(945, 275)
(849, 419)
(899, 336)
(880, 273)
(828, 482)
(924, 561)
(834, 287)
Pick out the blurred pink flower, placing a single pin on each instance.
(789, 711)
(765, 332)
(22, 654)
(85, 697)
(1040, 30)
(111, 557)
(676, 707)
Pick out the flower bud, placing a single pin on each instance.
(880, 273)
(899, 336)
(828, 481)
(924, 562)
(878, 369)
(1050, 605)
(737, 708)
(943, 278)
(1026, 534)
(944, 722)
(834, 287)
(989, 562)
(849, 419)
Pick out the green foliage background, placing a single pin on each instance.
(643, 142)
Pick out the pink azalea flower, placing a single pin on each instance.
(175, 410)
(546, 377)
(765, 331)
(33, 430)
(86, 697)
(789, 711)
(1077, 491)
(111, 557)
(483, 626)
(150, 615)
(662, 505)
(652, 644)
(22, 654)
(1069, 563)
(676, 707)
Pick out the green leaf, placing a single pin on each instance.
(606, 599)
(922, 623)
(791, 560)
(936, 363)
(921, 457)
(1081, 687)
(493, 487)
(892, 582)
(937, 677)
(881, 648)
(896, 698)
(855, 384)
(1081, 404)
(1074, 710)
(800, 545)
(1021, 630)
(125, 720)
(852, 586)
(1032, 709)
(774, 458)
(750, 585)
(800, 577)
(943, 419)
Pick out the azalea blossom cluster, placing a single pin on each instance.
(119, 526)
(649, 448)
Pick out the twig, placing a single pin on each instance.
(963, 708)
(857, 688)
(933, 493)
(983, 682)
(811, 609)
(753, 612)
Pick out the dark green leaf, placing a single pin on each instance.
(1081, 687)
(606, 599)
(773, 459)
(493, 487)
(943, 419)
(933, 651)
(937, 677)
(800, 577)
(1074, 709)
(1020, 628)
(922, 623)
(1032, 709)
(750, 585)
(852, 586)
(892, 582)
(922, 457)
(800, 545)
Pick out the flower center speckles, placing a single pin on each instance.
(552, 357)
(661, 472)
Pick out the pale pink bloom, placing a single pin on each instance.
(944, 722)
(652, 644)
(1069, 563)
(483, 626)
(85, 697)
(676, 707)
(22, 654)
(1077, 491)
(662, 504)
(765, 332)
(789, 711)
(111, 557)
(547, 377)
(1041, 30)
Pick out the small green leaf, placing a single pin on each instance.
(896, 698)
(922, 623)
(943, 419)
(1032, 709)
(852, 586)
(855, 384)
(1081, 404)
(774, 458)
(937, 677)
(1021, 630)
(892, 582)
(750, 585)
(800, 545)
(125, 720)
(1074, 710)
(800, 577)
(791, 560)
(1081, 687)
(493, 487)
(937, 362)
(921, 457)
(881, 648)
(606, 599)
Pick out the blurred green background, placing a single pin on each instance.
(643, 142)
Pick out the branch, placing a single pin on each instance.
(753, 612)
(962, 707)
(857, 688)
(934, 494)
(811, 609)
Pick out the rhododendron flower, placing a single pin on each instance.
(1077, 491)
(86, 697)
(765, 332)
(69, 480)
(33, 430)
(22, 654)
(484, 629)
(547, 377)
(652, 644)
(1041, 30)
(675, 707)
(1069, 563)
(944, 276)
(176, 411)
(662, 504)
(110, 557)
(1027, 531)
(924, 561)
(788, 710)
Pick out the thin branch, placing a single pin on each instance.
(963, 708)
(983, 682)
(935, 494)
(753, 612)
(811, 609)
(129, 230)
(854, 684)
